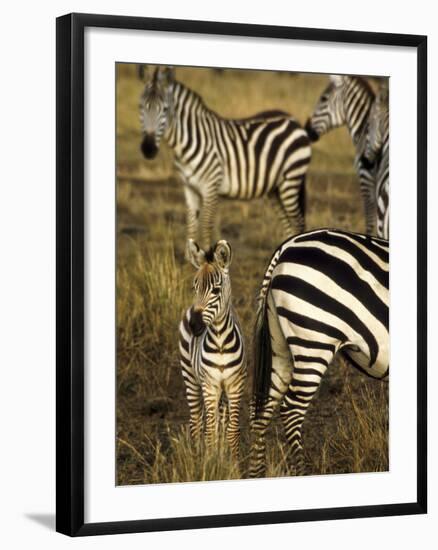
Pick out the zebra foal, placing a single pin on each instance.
(324, 292)
(264, 155)
(211, 347)
(347, 100)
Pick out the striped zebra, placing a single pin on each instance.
(264, 155)
(376, 156)
(211, 347)
(324, 291)
(347, 100)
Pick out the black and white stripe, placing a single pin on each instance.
(212, 349)
(377, 156)
(265, 155)
(324, 291)
(347, 100)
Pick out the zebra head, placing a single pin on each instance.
(329, 111)
(156, 108)
(211, 284)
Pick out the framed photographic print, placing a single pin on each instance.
(241, 257)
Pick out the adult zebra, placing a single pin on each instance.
(324, 291)
(211, 347)
(265, 155)
(376, 156)
(347, 100)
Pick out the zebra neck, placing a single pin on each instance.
(357, 111)
(188, 107)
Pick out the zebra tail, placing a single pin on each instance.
(262, 341)
(262, 358)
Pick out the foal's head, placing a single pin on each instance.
(211, 284)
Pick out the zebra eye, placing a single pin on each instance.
(216, 290)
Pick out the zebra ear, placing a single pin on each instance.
(336, 79)
(168, 75)
(156, 75)
(222, 254)
(143, 72)
(194, 254)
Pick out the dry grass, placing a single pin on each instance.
(346, 429)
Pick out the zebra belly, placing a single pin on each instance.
(249, 185)
(361, 360)
(229, 188)
(236, 188)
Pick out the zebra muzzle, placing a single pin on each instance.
(196, 323)
(313, 136)
(366, 163)
(149, 147)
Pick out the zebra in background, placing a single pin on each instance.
(211, 347)
(376, 156)
(347, 100)
(264, 155)
(324, 291)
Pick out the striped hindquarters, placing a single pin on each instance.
(324, 291)
(330, 289)
(336, 283)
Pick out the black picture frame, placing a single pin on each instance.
(70, 273)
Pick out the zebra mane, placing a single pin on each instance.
(209, 255)
(360, 133)
(366, 85)
(178, 90)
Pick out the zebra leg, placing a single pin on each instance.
(223, 412)
(281, 213)
(291, 194)
(281, 368)
(208, 211)
(195, 405)
(382, 199)
(310, 365)
(370, 211)
(194, 400)
(368, 192)
(193, 202)
(193, 388)
(211, 395)
(233, 424)
(281, 374)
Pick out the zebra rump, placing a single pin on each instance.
(306, 256)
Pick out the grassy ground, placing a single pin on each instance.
(346, 427)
